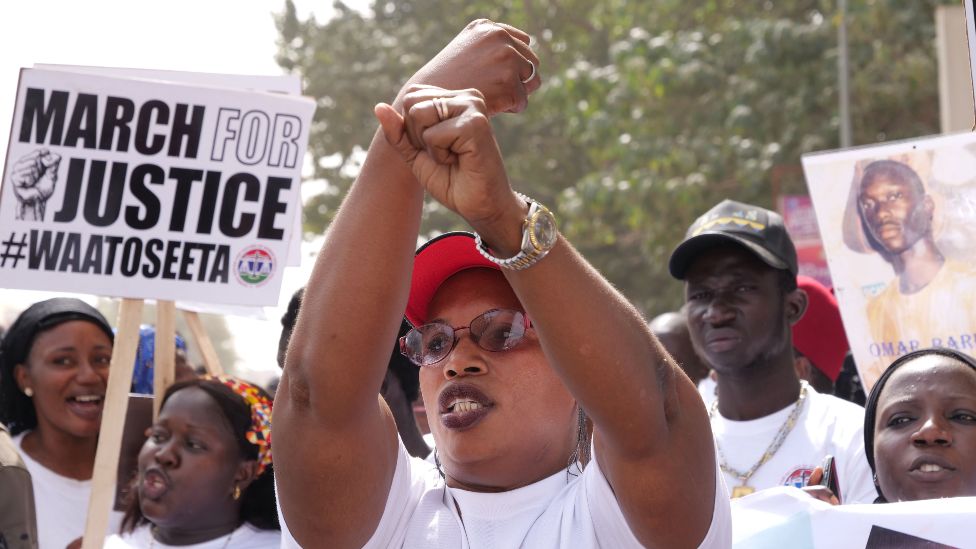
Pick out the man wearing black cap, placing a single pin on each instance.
(739, 267)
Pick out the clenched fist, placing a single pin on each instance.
(446, 139)
(33, 178)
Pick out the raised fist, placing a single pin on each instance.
(33, 178)
(446, 139)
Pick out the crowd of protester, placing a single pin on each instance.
(559, 416)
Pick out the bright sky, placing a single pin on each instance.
(224, 36)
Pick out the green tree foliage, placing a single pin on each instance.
(651, 112)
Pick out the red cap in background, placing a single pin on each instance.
(819, 335)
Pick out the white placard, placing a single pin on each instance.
(898, 222)
(787, 517)
(148, 189)
(289, 84)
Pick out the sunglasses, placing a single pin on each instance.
(494, 330)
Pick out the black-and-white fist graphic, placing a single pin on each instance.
(33, 178)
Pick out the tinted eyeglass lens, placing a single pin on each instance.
(410, 346)
(495, 330)
(498, 330)
(436, 341)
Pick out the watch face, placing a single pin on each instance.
(543, 230)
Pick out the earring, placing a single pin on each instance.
(581, 453)
(877, 488)
(237, 492)
(29, 392)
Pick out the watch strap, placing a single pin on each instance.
(528, 255)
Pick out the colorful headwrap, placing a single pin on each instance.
(260, 432)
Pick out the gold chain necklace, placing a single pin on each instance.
(152, 537)
(744, 489)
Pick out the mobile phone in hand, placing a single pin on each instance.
(829, 479)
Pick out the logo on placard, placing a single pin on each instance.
(255, 266)
(798, 478)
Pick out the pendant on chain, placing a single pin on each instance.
(739, 491)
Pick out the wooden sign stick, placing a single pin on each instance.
(113, 419)
(210, 359)
(164, 352)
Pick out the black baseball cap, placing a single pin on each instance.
(759, 230)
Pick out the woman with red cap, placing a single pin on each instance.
(516, 336)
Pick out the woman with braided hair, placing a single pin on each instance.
(205, 475)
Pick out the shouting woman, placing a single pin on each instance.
(518, 338)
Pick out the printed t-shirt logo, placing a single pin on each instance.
(798, 478)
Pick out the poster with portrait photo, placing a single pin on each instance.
(898, 223)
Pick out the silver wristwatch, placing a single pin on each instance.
(538, 237)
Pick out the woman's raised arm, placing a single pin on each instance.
(335, 441)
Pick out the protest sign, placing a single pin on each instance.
(898, 223)
(148, 189)
(288, 84)
(787, 517)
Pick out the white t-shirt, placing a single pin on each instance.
(826, 425)
(707, 388)
(245, 537)
(429, 439)
(61, 504)
(577, 513)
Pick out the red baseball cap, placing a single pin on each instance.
(439, 259)
(819, 335)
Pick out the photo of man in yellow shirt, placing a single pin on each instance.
(925, 305)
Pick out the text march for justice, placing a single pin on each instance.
(141, 180)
